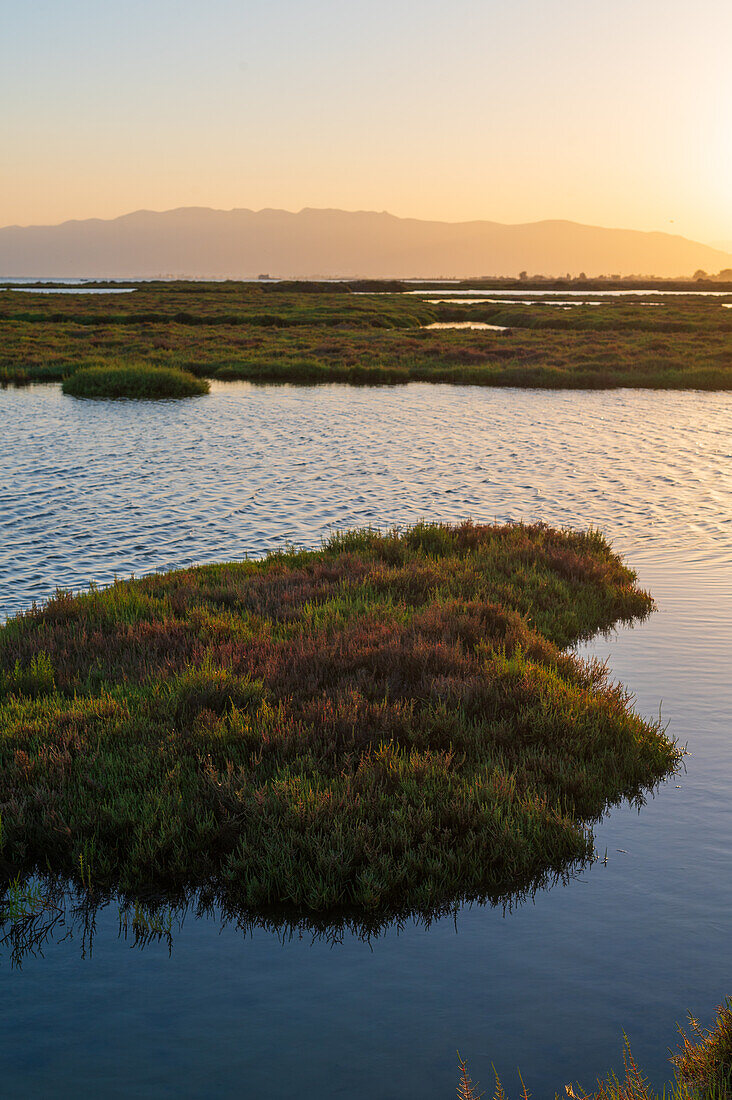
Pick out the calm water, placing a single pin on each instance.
(465, 324)
(93, 489)
(69, 290)
(593, 293)
(512, 302)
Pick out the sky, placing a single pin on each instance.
(616, 114)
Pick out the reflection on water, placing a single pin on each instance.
(509, 302)
(40, 913)
(465, 324)
(69, 290)
(209, 1006)
(594, 293)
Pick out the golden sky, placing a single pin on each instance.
(613, 114)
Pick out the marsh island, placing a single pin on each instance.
(392, 721)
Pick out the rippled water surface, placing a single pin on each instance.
(90, 490)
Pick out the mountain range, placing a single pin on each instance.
(201, 242)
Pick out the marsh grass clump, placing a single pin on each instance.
(135, 381)
(390, 723)
(704, 1062)
(216, 690)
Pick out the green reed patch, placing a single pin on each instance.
(391, 722)
(136, 381)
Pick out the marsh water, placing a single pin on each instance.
(91, 490)
(68, 289)
(465, 325)
(591, 293)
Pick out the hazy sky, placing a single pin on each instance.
(614, 113)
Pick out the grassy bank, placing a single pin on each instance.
(388, 723)
(135, 381)
(520, 357)
(320, 333)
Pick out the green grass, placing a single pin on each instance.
(547, 359)
(389, 724)
(280, 305)
(136, 381)
(321, 333)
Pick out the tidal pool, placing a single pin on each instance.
(93, 490)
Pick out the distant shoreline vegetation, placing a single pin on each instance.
(134, 381)
(310, 333)
(390, 723)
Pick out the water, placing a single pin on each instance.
(511, 302)
(593, 293)
(14, 281)
(464, 325)
(558, 303)
(90, 489)
(69, 290)
(23, 280)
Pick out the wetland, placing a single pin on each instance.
(628, 939)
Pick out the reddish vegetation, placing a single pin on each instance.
(286, 333)
(388, 722)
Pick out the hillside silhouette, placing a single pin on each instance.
(197, 241)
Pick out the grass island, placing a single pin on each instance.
(134, 381)
(393, 721)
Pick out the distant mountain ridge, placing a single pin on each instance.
(198, 241)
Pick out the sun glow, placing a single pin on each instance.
(608, 115)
